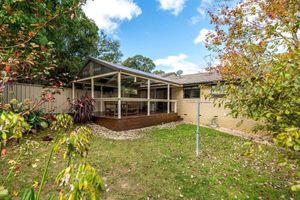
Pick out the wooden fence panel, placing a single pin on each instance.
(21, 91)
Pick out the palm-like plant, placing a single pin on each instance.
(82, 108)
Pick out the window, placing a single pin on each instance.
(218, 90)
(93, 68)
(191, 92)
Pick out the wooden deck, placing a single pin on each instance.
(135, 122)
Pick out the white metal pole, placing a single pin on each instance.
(168, 99)
(148, 98)
(119, 96)
(198, 129)
(73, 90)
(101, 96)
(92, 88)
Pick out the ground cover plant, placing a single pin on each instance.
(162, 165)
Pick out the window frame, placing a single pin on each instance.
(218, 93)
(191, 88)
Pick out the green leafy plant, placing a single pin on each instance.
(31, 110)
(37, 120)
(12, 126)
(62, 121)
(289, 139)
(77, 143)
(79, 181)
(85, 181)
(82, 108)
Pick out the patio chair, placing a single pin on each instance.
(111, 109)
(132, 108)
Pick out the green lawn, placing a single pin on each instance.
(162, 165)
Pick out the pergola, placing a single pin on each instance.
(96, 69)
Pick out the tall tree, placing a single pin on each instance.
(73, 43)
(140, 62)
(25, 50)
(109, 49)
(257, 43)
(49, 40)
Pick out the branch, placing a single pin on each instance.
(40, 28)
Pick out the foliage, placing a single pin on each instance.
(296, 187)
(158, 72)
(31, 111)
(140, 62)
(257, 45)
(29, 194)
(79, 181)
(73, 42)
(26, 52)
(62, 122)
(77, 143)
(17, 107)
(109, 49)
(81, 178)
(36, 120)
(12, 126)
(82, 108)
(290, 138)
(86, 182)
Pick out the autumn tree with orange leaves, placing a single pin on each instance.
(257, 44)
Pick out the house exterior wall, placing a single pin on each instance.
(187, 109)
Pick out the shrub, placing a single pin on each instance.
(12, 125)
(31, 112)
(37, 120)
(289, 139)
(82, 108)
(62, 121)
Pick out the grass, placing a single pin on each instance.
(162, 165)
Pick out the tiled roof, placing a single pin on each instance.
(168, 74)
(204, 77)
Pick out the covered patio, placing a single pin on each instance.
(126, 98)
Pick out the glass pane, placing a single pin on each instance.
(92, 69)
(191, 92)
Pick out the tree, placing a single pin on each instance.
(109, 49)
(140, 62)
(25, 50)
(50, 41)
(158, 72)
(76, 41)
(257, 44)
(73, 42)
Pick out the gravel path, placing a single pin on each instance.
(130, 134)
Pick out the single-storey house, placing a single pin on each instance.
(127, 98)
